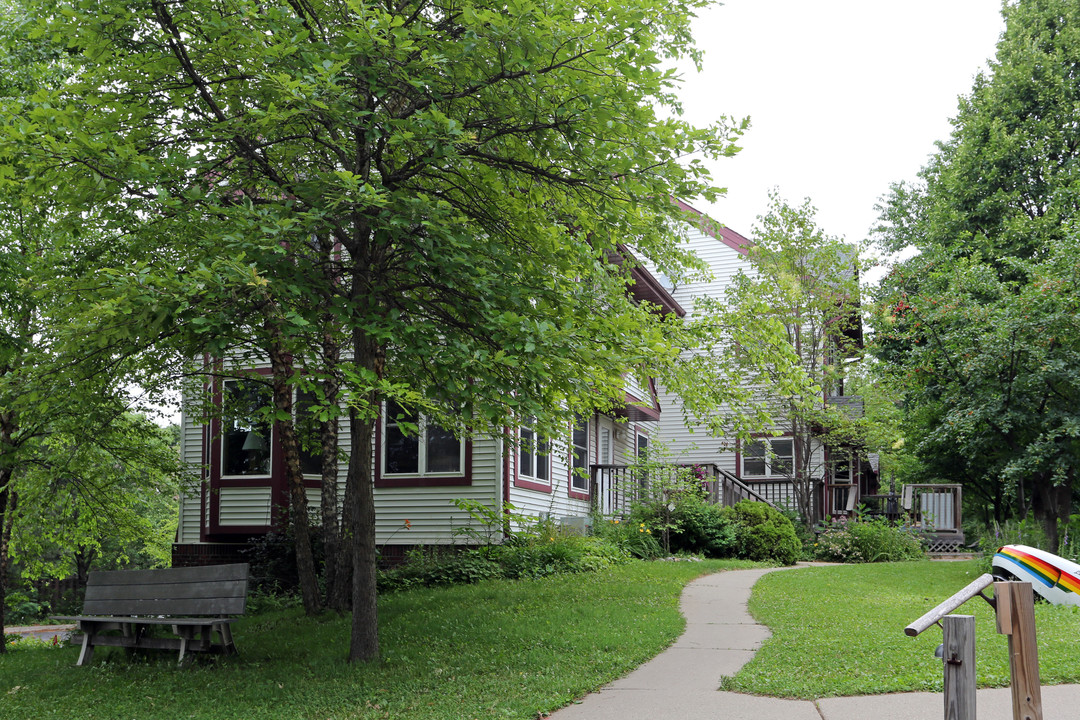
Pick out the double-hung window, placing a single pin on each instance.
(533, 455)
(579, 458)
(768, 457)
(417, 447)
(246, 433)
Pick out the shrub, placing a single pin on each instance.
(862, 541)
(763, 533)
(633, 536)
(431, 567)
(701, 527)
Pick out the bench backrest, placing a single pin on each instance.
(210, 590)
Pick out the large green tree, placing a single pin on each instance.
(963, 321)
(444, 182)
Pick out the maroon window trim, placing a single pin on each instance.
(418, 481)
(279, 491)
(531, 483)
(570, 490)
(765, 478)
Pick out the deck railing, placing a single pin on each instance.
(614, 488)
(932, 508)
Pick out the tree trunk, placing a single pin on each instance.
(359, 515)
(1050, 504)
(5, 537)
(337, 568)
(298, 505)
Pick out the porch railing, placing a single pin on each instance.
(933, 509)
(614, 488)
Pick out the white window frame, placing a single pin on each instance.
(421, 461)
(539, 454)
(771, 458)
(579, 482)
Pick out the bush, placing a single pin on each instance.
(632, 537)
(864, 541)
(763, 533)
(532, 555)
(429, 567)
(701, 527)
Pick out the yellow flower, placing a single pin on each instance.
(642, 524)
(640, 530)
(616, 521)
(649, 531)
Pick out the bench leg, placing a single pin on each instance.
(183, 649)
(225, 631)
(87, 651)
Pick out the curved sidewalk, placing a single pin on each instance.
(720, 638)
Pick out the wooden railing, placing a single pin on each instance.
(614, 488)
(934, 509)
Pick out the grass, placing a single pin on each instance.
(839, 630)
(499, 649)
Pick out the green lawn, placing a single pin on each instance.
(840, 631)
(499, 649)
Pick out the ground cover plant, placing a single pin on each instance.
(494, 649)
(868, 540)
(839, 630)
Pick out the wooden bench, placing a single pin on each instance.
(194, 602)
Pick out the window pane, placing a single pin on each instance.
(307, 428)
(753, 467)
(579, 478)
(245, 442)
(443, 450)
(785, 456)
(402, 451)
(526, 452)
(542, 460)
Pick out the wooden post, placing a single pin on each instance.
(959, 634)
(1016, 618)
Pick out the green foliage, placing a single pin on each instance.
(537, 549)
(694, 525)
(980, 327)
(1012, 532)
(440, 187)
(867, 541)
(634, 536)
(763, 533)
(785, 326)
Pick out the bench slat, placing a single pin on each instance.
(206, 573)
(177, 591)
(165, 606)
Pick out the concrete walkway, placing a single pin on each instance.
(720, 638)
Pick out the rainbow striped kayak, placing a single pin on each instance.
(1051, 576)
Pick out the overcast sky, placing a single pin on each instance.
(845, 97)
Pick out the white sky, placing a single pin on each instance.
(845, 97)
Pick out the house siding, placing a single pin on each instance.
(695, 443)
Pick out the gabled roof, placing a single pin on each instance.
(707, 225)
(646, 287)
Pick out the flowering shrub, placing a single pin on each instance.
(864, 541)
(634, 536)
